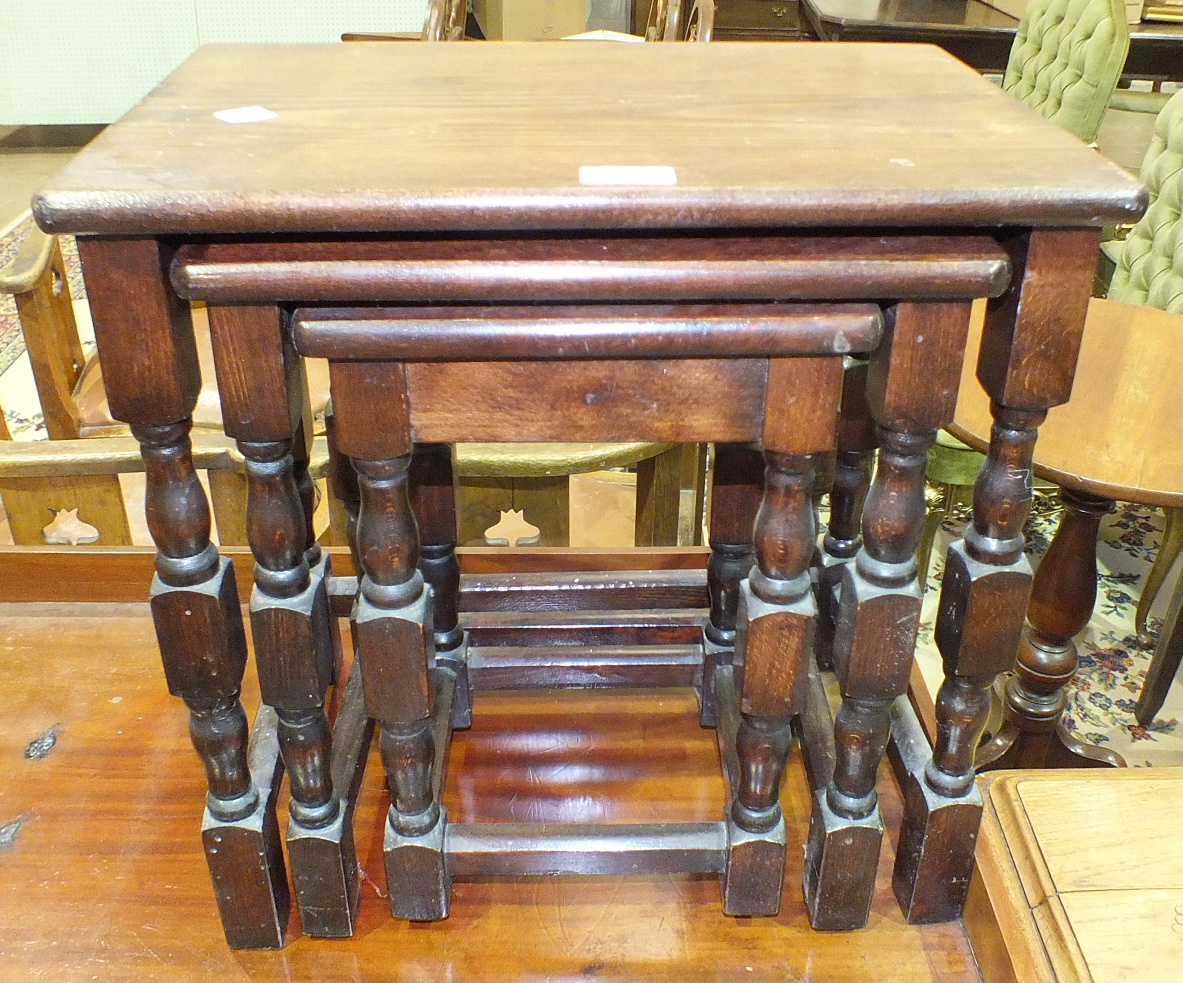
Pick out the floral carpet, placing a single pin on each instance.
(1113, 659)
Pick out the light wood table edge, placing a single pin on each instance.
(999, 920)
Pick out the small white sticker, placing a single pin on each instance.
(614, 175)
(245, 114)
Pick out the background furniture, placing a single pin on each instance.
(1066, 60)
(975, 32)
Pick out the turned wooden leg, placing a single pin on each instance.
(297, 652)
(1164, 666)
(735, 498)
(345, 498)
(910, 396)
(775, 626)
(1030, 342)
(198, 620)
(1063, 595)
(848, 494)
(145, 330)
(395, 635)
(433, 498)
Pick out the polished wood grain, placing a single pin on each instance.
(78, 901)
(536, 333)
(900, 142)
(674, 267)
(904, 145)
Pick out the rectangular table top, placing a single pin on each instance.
(396, 137)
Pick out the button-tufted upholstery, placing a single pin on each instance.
(1066, 59)
(1150, 267)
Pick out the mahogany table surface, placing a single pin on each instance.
(972, 30)
(420, 137)
(102, 876)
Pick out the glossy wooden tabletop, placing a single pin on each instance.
(386, 137)
(102, 877)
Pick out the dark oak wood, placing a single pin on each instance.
(911, 391)
(357, 191)
(381, 161)
(610, 757)
(658, 266)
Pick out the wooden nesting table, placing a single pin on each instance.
(587, 242)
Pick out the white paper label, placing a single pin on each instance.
(615, 175)
(245, 114)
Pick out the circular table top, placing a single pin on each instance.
(1121, 434)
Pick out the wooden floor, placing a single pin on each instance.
(102, 877)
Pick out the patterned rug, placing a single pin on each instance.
(1113, 658)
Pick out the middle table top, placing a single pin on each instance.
(380, 138)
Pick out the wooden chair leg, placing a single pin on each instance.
(659, 491)
(1168, 552)
(1164, 666)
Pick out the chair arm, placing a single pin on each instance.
(20, 275)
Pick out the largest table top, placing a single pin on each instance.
(378, 138)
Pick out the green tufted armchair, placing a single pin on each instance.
(1066, 59)
(1150, 262)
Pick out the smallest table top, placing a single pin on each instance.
(502, 136)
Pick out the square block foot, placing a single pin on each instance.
(935, 859)
(755, 874)
(840, 863)
(250, 882)
(417, 873)
(324, 868)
